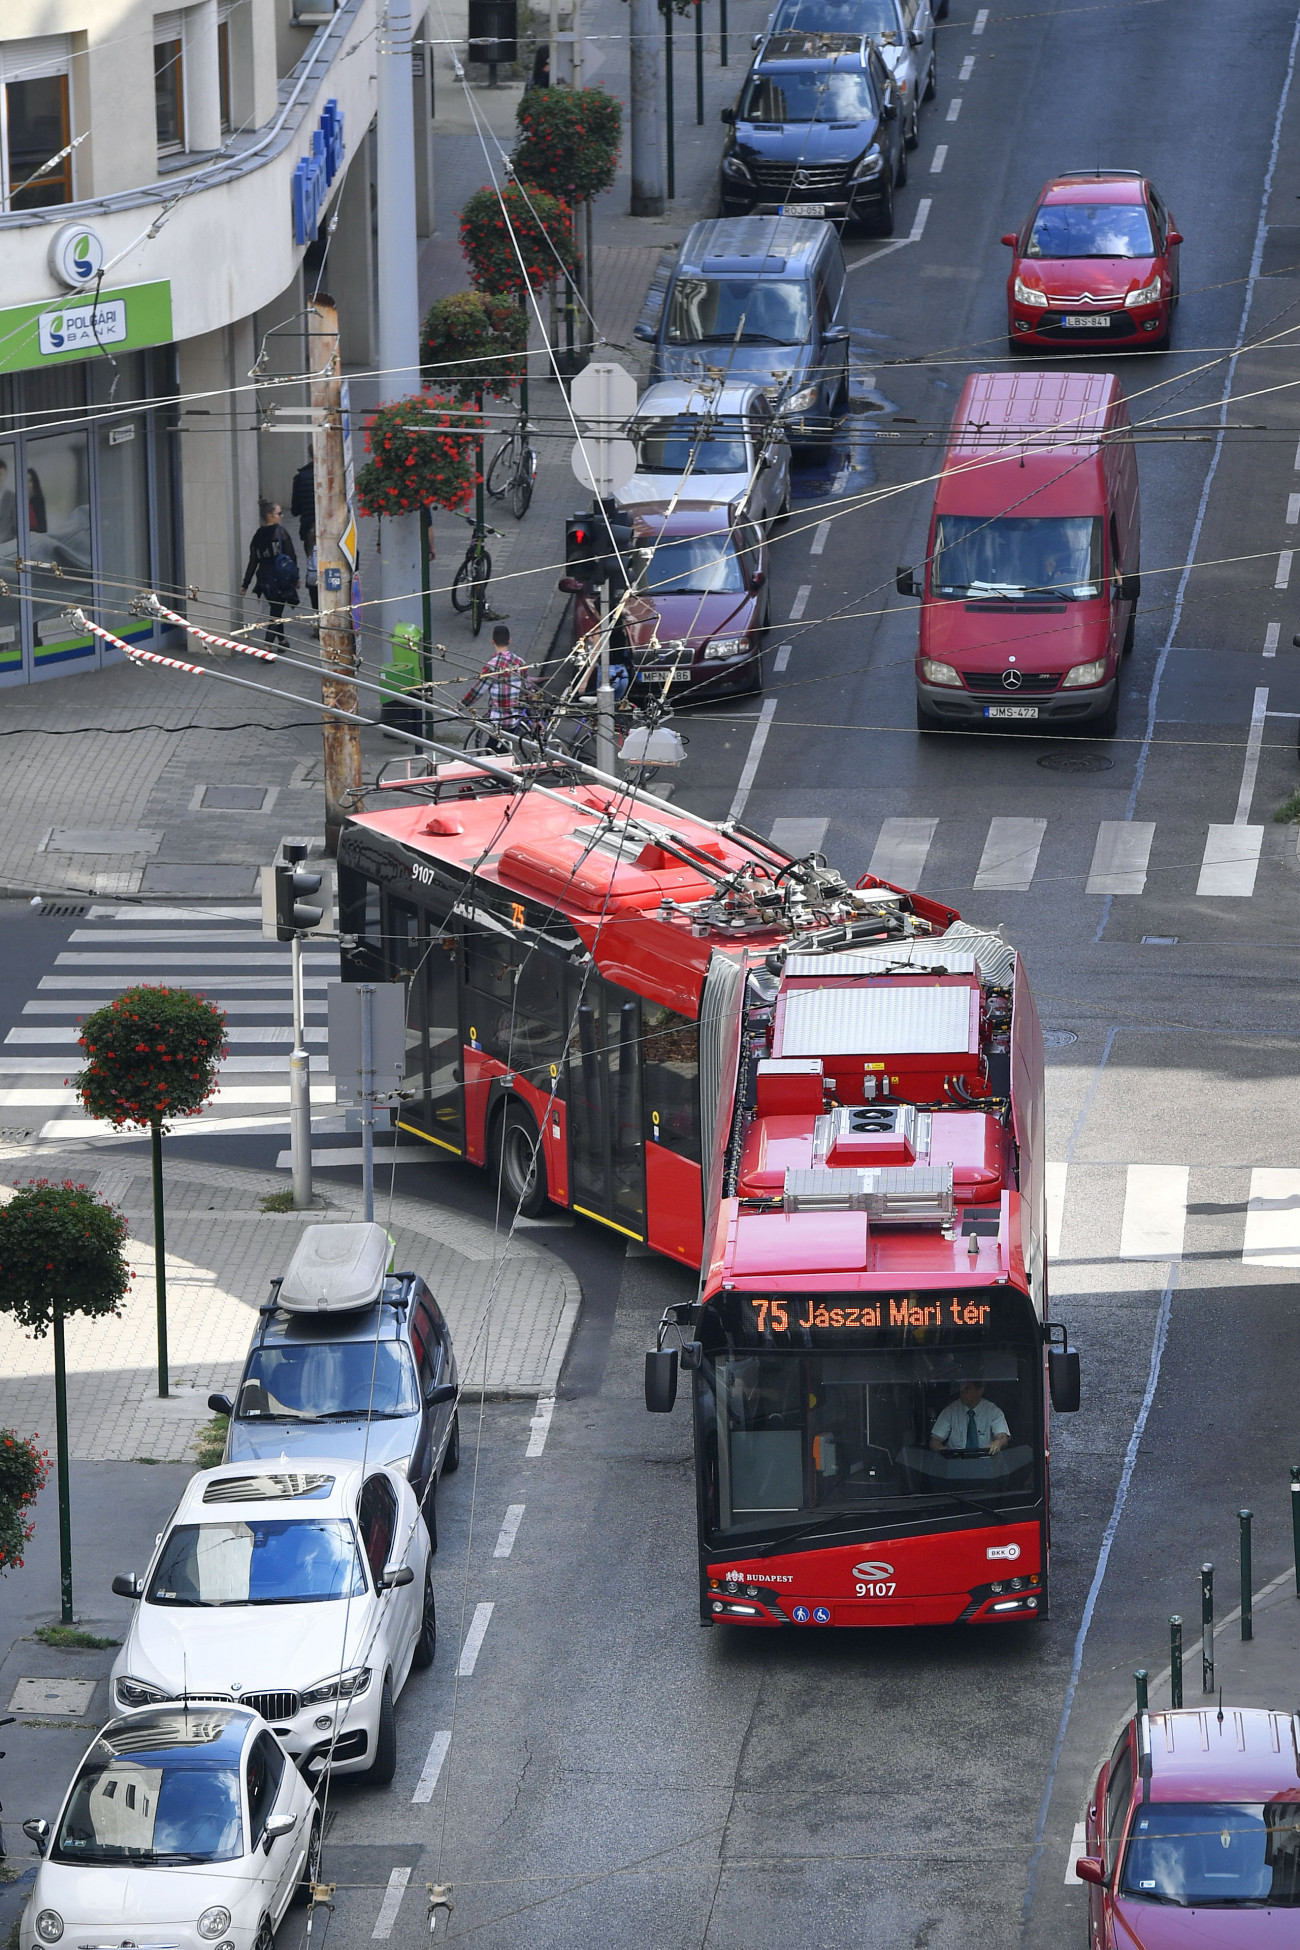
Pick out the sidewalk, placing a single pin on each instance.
(512, 1312)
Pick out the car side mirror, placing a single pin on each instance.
(889, 111)
(1091, 1868)
(727, 115)
(128, 1586)
(905, 581)
(1063, 1378)
(571, 585)
(276, 1826)
(692, 1356)
(758, 578)
(756, 40)
(1130, 588)
(1174, 237)
(661, 1380)
(440, 1393)
(221, 1405)
(645, 333)
(1011, 238)
(38, 1832)
(390, 1580)
(914, 39)
(835, 334)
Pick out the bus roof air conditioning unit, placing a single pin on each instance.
(890, 1196)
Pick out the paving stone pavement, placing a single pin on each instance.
(512, 1307)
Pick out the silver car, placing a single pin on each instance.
(903, 30)
(709, 443)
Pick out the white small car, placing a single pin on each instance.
(183, 1824)
(711, 445)
(303, 1592)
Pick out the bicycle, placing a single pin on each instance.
(513, 470)
(469, 589)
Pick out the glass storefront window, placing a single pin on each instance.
(122, 455)
(57, 490)
(11, 629)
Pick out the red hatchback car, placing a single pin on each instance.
(1193, 1834)
(1095, 265)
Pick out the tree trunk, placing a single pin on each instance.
(61, 1440)
(159, 1254)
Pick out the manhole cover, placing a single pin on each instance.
(1075, 762)
(1058, 1038)
(52, 1696)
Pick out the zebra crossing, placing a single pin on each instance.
(1213, 862)
(1248, 1215)
(217, 951)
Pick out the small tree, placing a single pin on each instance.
(542, 227)
(568, 140)
(422, 455)
(60, 1253)
(153, 1056)
(474, 343)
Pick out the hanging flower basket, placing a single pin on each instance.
(422, 454)
(472, 342)
(568, 140)
(542, 226)
(151, 1056)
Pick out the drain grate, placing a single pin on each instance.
(1075, 762)
(1058, 1038)
(14, 1134)
(64, 910)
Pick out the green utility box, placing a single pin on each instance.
(399, 711)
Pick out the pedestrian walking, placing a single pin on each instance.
(503, 680)
(302, 499)
(312, 576)
(273, 571)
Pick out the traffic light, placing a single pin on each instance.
(582, 548)
(293, 913)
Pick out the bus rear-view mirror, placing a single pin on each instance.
(661, 1380)
(1063, 1378)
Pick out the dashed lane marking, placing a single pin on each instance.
(509, 1530)
(474, 1640)
(397, 1881)
(540, 1425)
(428, 1781)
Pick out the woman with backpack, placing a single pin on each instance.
(273, 570)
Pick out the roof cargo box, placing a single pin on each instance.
(336, 1268)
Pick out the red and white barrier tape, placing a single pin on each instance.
(206, 636)
(133, 650)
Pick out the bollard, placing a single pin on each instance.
(1140, 1678)
(1175, 1660)
(1207, 1628)
(1247, 1610)
(1295, 1522)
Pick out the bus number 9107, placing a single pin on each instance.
(876, 1590)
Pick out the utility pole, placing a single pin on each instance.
(284, 918)
(334, 531)
(399, 304)
(646, 141)
(368, 1101)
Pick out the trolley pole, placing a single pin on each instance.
(1207, 1628)
(338, 646)
(1175, 1660)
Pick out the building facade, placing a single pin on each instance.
(174, 185)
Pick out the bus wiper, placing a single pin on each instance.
(806, 1530)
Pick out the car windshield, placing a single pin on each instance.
(261, 1561)
(673, 446)
(1017, 555)
(879, 18)
(772, 311)
(838, 1435)
(1091, 230)
(692, 565)
(318, 1381)
(151, 1807)
(804, 95)
(1212, 1854)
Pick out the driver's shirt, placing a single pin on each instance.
(951, 1424)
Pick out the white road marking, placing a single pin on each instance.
(1271, 635)
(1250, 770)
(1010, 854)
(1297, 459)
(1155, 1212)
(901, 850)
(1273, 1219)
(340, 1156)
(799, 837)
(913, 236)
(967, 68)
(509, 1530)
(750, 772)
(939, 158)
(781, 661)
(1119, 859)
(820, 536)
(474, 1640)
(428, 1781)
(800, 602)
(540, 1425)
(397, 1881)
(146, 960)
(981, 21)
(1056, 1176)
(1231, 860)
(954, 109)
(1292, 510)
(1280, 581)
(1078, 1847)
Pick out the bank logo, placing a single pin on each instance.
(76, 256)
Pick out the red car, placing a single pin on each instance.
(697, 613)
(1193, 1834)
(1096, 264)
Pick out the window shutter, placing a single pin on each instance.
(43, 54)
(169, 26)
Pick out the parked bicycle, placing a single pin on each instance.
(469, 589)
(513, 469)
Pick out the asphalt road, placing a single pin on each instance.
(617, 1776)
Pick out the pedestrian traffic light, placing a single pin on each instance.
(293, 913)
(582, 548)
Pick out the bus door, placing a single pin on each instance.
(606, 1144)
(426, 953)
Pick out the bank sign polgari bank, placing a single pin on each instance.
(45, 333)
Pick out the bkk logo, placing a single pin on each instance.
(1010, 1551)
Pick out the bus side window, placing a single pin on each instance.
(490, 969)
(359, 916)
(671, 1055)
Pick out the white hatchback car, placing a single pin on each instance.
(303, 1592)
(710, 445)
(183, 1824)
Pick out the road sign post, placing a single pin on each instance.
(604, 395)
(367, 1045)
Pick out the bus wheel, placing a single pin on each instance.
(519, 1161)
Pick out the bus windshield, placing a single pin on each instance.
(836, 1435)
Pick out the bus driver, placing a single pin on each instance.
(970, 1426)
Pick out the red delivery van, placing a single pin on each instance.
(1030, 584)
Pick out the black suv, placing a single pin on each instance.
(816, 133)
(380, 1379)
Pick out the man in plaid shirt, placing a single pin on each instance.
(503, 678)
